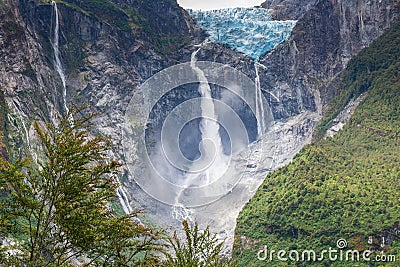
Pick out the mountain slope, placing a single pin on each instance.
(109, 47)
(328, 34)
(106, 48)
(344, 187)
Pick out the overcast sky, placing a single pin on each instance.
(217, 4)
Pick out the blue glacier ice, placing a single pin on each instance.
(248, 30)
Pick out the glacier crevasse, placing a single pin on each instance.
(250, 31)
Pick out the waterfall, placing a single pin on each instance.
(263, 90)
(260, 113)
(181, 213)
(28, 141)
(126, 206)
(212, 157)
(57, 61)
(123, 199)
(209, 126)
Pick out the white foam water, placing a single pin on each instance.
(57, 59)
(208, 167)
(260, 112)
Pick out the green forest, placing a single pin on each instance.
(342, 187)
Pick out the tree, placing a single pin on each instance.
(200, 249)
(59, 208)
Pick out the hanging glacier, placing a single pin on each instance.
(250, 31)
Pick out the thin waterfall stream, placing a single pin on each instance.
(260, 112)
(57, 59)
(121, 194)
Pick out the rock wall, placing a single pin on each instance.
(288, 9)
(302, 71)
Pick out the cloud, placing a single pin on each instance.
(218, 4)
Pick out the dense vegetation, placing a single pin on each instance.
(344, 187)
(60, 209)
(199, 249)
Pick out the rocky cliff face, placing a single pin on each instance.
(26, 88)
(302, 71)
(104, 58)
(109, 48)
(288, 9)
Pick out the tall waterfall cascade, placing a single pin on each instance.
(201, 120)
(250, 31)
(211, 148)
(57, 58)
